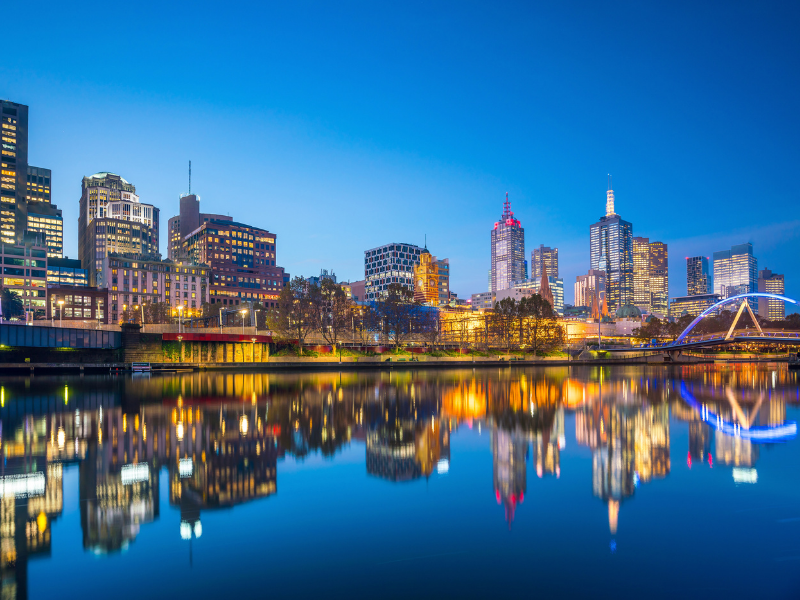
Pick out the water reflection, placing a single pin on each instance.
(219, 439)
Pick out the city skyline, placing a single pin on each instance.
(320, 156)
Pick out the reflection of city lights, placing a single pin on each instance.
(41, 522)
(198, 529)
(243, 425)
(186, 531)
(185, 467)
(443, 466)
(741, 475)
(61, 438)
(22, 486)
(179, 430)
(134, 473)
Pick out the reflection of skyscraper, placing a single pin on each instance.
(699, 441)
(547, 447)
(509, 451)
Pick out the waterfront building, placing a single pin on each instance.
(611, 250)
(66, 272)
(242, 260)
(771, 283)
(699, 279)
(80, 303)
(426, 279)
(188, 219)
(134, 279)
(590, 288)
(507, 251)
(544, 260)
(692, 305)
(444, 280)
(113, 220)
(736, 271)
(659, 279)
(25, 272)
(385, 265)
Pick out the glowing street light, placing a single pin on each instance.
(60, 313)
(243, 425)
(180, 314)
(244, 312)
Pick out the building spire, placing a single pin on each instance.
(610, 199)
(190, 178)
(507, 209)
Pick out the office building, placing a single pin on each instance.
(354, 290)
(736, 272)
(25, 191)
(508, 251)
(136, 279)
(385, 265)
(691, 305)
(483, 300)
(659, 279)
(544, 259)
(113, 220)
(444, 280)
(611, 250)
(641, 273)
(771, 283)
(76, 303)
(189, 219)
(590, 289)
(528, 287)
(66, 272)
(25, 273)
(426, 279)
(242, 260)
(699, 279)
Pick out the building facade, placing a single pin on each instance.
(659, 279)
(699, 278)
(426, 279)
(507, 251)
(189, 219)
(534, 286)
(25, 273)
(444, 280)
(641, 273)
(611, 250)
(590, 288)
(692, 305)
(67, 272)
(134, 279)
(242, 259)
(385, 265)
(771, 283)
(483, 300)
(112, 220)
(78, 303)
(736, 272)
(544, 259)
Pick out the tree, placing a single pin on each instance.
(504, 322)
(539, 328)
(331, 309)
(12, 304)
(158, 313)
(397, 313)
(653, 329)
(294, 316)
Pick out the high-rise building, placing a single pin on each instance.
(189, 219)
(113, 220)
(242, 260)
(698, 276)
(641, 273)
(771, 283)
(659, 279)
(508, 251)
(553, 291)
(736, 272)
(611, 250)
(544, 258)
(444, 280)
(590, 288)
(385, 265)
(25, 191)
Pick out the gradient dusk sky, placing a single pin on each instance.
(342, 126)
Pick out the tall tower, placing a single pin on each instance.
(507, 250)
(736, 272)
(698, 277)
(611, 250)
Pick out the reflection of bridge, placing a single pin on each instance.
(685, 341)
(742, 428)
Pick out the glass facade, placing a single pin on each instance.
(25, 273)
(385, 265)
(543, 258)
(66, 272)
(611, 250)
(698, 277)
(736, 272)
(659, 278)
(692, 305)
(508, 251)
(771, 283)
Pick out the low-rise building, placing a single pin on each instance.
(78, 303)
(483, 300)
(66, 272)
(25, 273)
(692, 305)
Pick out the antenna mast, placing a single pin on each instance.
(190, 178)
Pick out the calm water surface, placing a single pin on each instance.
(617, 482)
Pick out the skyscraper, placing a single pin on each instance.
(736, 271)
(25, 191)
(590, 288)
(611, 250)
(113, 220)
(508, 251)
(659, 278)
(188, 219)
(771, 283)
(543, 258)
(698, 276)
(385, 265)
(641, 273)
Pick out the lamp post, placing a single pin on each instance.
(142, 307)
(60, 312)
(180, 308)
(244, 312)
(254, 349)
(220, 319)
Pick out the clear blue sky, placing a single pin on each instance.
(342, 126)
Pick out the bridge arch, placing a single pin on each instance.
(716, 306)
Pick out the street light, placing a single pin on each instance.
(244, 312)
(220, 319)
(142, 307)
(254, 349)
(60, 312)
(180, 308)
